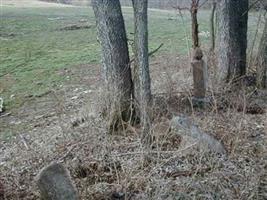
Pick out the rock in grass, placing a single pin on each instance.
(54, 183)
(1, 105)
(183, 125)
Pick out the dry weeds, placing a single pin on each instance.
(63, 126)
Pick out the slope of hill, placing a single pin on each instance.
(30, 3)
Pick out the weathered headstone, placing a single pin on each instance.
(199, 77)
(55, 183)
(182, 125)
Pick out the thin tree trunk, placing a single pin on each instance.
(115, 59)
(262, 60)
(232, 38)
(142, 76)
(212, 25)
(194, 10)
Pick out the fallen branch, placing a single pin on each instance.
(24, 141)
(73, 27)
(154, 51)
(5, 114)
(157, 152)
(151, 53)
(187, 173)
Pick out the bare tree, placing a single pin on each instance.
(115, 57)
(212, 25)
(194, 11)
(232, 38)
(262, 60)
(141, 70)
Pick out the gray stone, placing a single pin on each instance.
(201, 102)
(55, 183)
(1, 105)
(184, 126)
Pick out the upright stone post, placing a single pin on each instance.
(199, 77)
(55, 184)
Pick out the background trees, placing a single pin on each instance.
(232, 38)
(262, 60)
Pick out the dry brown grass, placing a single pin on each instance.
(107, 166)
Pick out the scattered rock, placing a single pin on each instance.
(55, 183)
(1, 105)
(118, 195)
(55, 18)
(184, 126)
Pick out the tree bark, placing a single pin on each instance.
(262, 60)
(115, 59)
(194, 10)
(212, 25)
(142, 75)
(232, 38)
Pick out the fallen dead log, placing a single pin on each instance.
(73, 27)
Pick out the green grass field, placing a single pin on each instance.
(33, 48)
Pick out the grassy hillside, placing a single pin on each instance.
(34, 48)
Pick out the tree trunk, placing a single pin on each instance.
(232, 38)
(194, 10)
(142, 76)
(115, 59)
(212, 25)
(262, 60)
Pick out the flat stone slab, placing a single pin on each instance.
(183, 126)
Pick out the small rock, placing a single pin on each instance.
(1, 105)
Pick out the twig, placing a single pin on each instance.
(187, 173)
(68, 153)
(154, 51)
(150, 53)
(203, 4)
(24, 142)
(157, 152)
(5, 115)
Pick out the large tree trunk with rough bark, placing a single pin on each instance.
(232, 38)
(262, 60)
(141, 69)
(115, 59)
